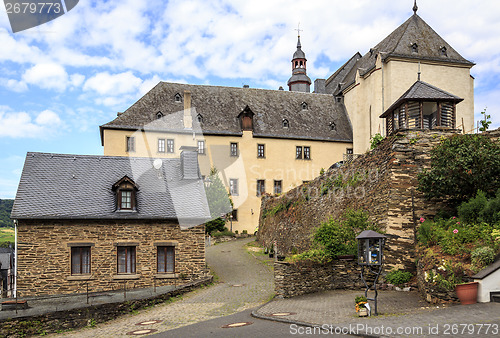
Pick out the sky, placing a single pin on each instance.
(61, 80)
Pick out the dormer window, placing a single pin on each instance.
(159, 115)
(125, 192)
(443, 51)
(178, 97)
(414, 48)
(333, 126)
(304, 106)
(286, 124)
(199, 117)
(246, 119)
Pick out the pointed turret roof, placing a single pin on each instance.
(414, 39)
(299, 54)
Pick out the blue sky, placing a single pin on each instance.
(61, 80)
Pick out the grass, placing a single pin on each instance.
(6, 235)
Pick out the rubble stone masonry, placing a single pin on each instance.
(383, 182)
(44, 260)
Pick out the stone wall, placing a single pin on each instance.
(298, 278)
(382, 182)
(44, 266)
(432, 292)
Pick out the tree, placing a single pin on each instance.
(485, 124)
(460, 166)
(219, 202)
(5, 209)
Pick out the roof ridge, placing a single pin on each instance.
(59, 155)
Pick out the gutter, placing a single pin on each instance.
(14, 294)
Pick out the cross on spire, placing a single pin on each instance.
(298, 30)
(415, 7)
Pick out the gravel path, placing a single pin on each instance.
(243, 281)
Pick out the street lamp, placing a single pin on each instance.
(371, 257)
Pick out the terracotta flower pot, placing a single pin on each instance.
(467, 293)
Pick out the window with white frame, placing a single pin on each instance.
(233, 186)
(161, 145)
(201, 147)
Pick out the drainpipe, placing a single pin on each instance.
(383, 108)
(14, 294)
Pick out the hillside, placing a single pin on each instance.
(5, 209)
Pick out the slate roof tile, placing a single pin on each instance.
(60, 186)
(220, 107)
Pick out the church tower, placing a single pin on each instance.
(299, 82)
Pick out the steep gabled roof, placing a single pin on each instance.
(399, 44)
(220, 107)
(332, 83)
(423, 91)
(61, 186)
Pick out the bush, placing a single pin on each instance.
(215, 225)
(460, 166)
(223, 233)
(452, 234)
(398, 277)
(469, 211)
(482, 257)
(376, 140)
(338, 237)
(315, 255)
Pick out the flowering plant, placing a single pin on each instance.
(360, 302)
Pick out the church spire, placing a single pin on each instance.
(299, 82)
(415, 7)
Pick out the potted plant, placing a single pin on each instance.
(361, 309)
(467, 293)
(271, 252)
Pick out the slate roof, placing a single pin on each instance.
(399, 44)
(423, 91)
(220, 107)
(487, 270)
(332, 83)
(61, 186)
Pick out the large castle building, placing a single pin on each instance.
(269, 141)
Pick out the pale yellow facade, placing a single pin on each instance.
(372, 94)
(278, 164)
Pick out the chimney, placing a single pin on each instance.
(319, 86)
(189, 163)
(188, 117)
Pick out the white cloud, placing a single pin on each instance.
(48, 118)
(14, 85)
(113, 84)
(47, 76)
(22, 125)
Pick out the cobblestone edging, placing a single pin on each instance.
(87, 316)
(298, 278)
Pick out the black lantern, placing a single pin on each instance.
(370, 248)
(371, 257)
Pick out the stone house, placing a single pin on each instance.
(108, 221)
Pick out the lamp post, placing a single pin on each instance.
(371, 257)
